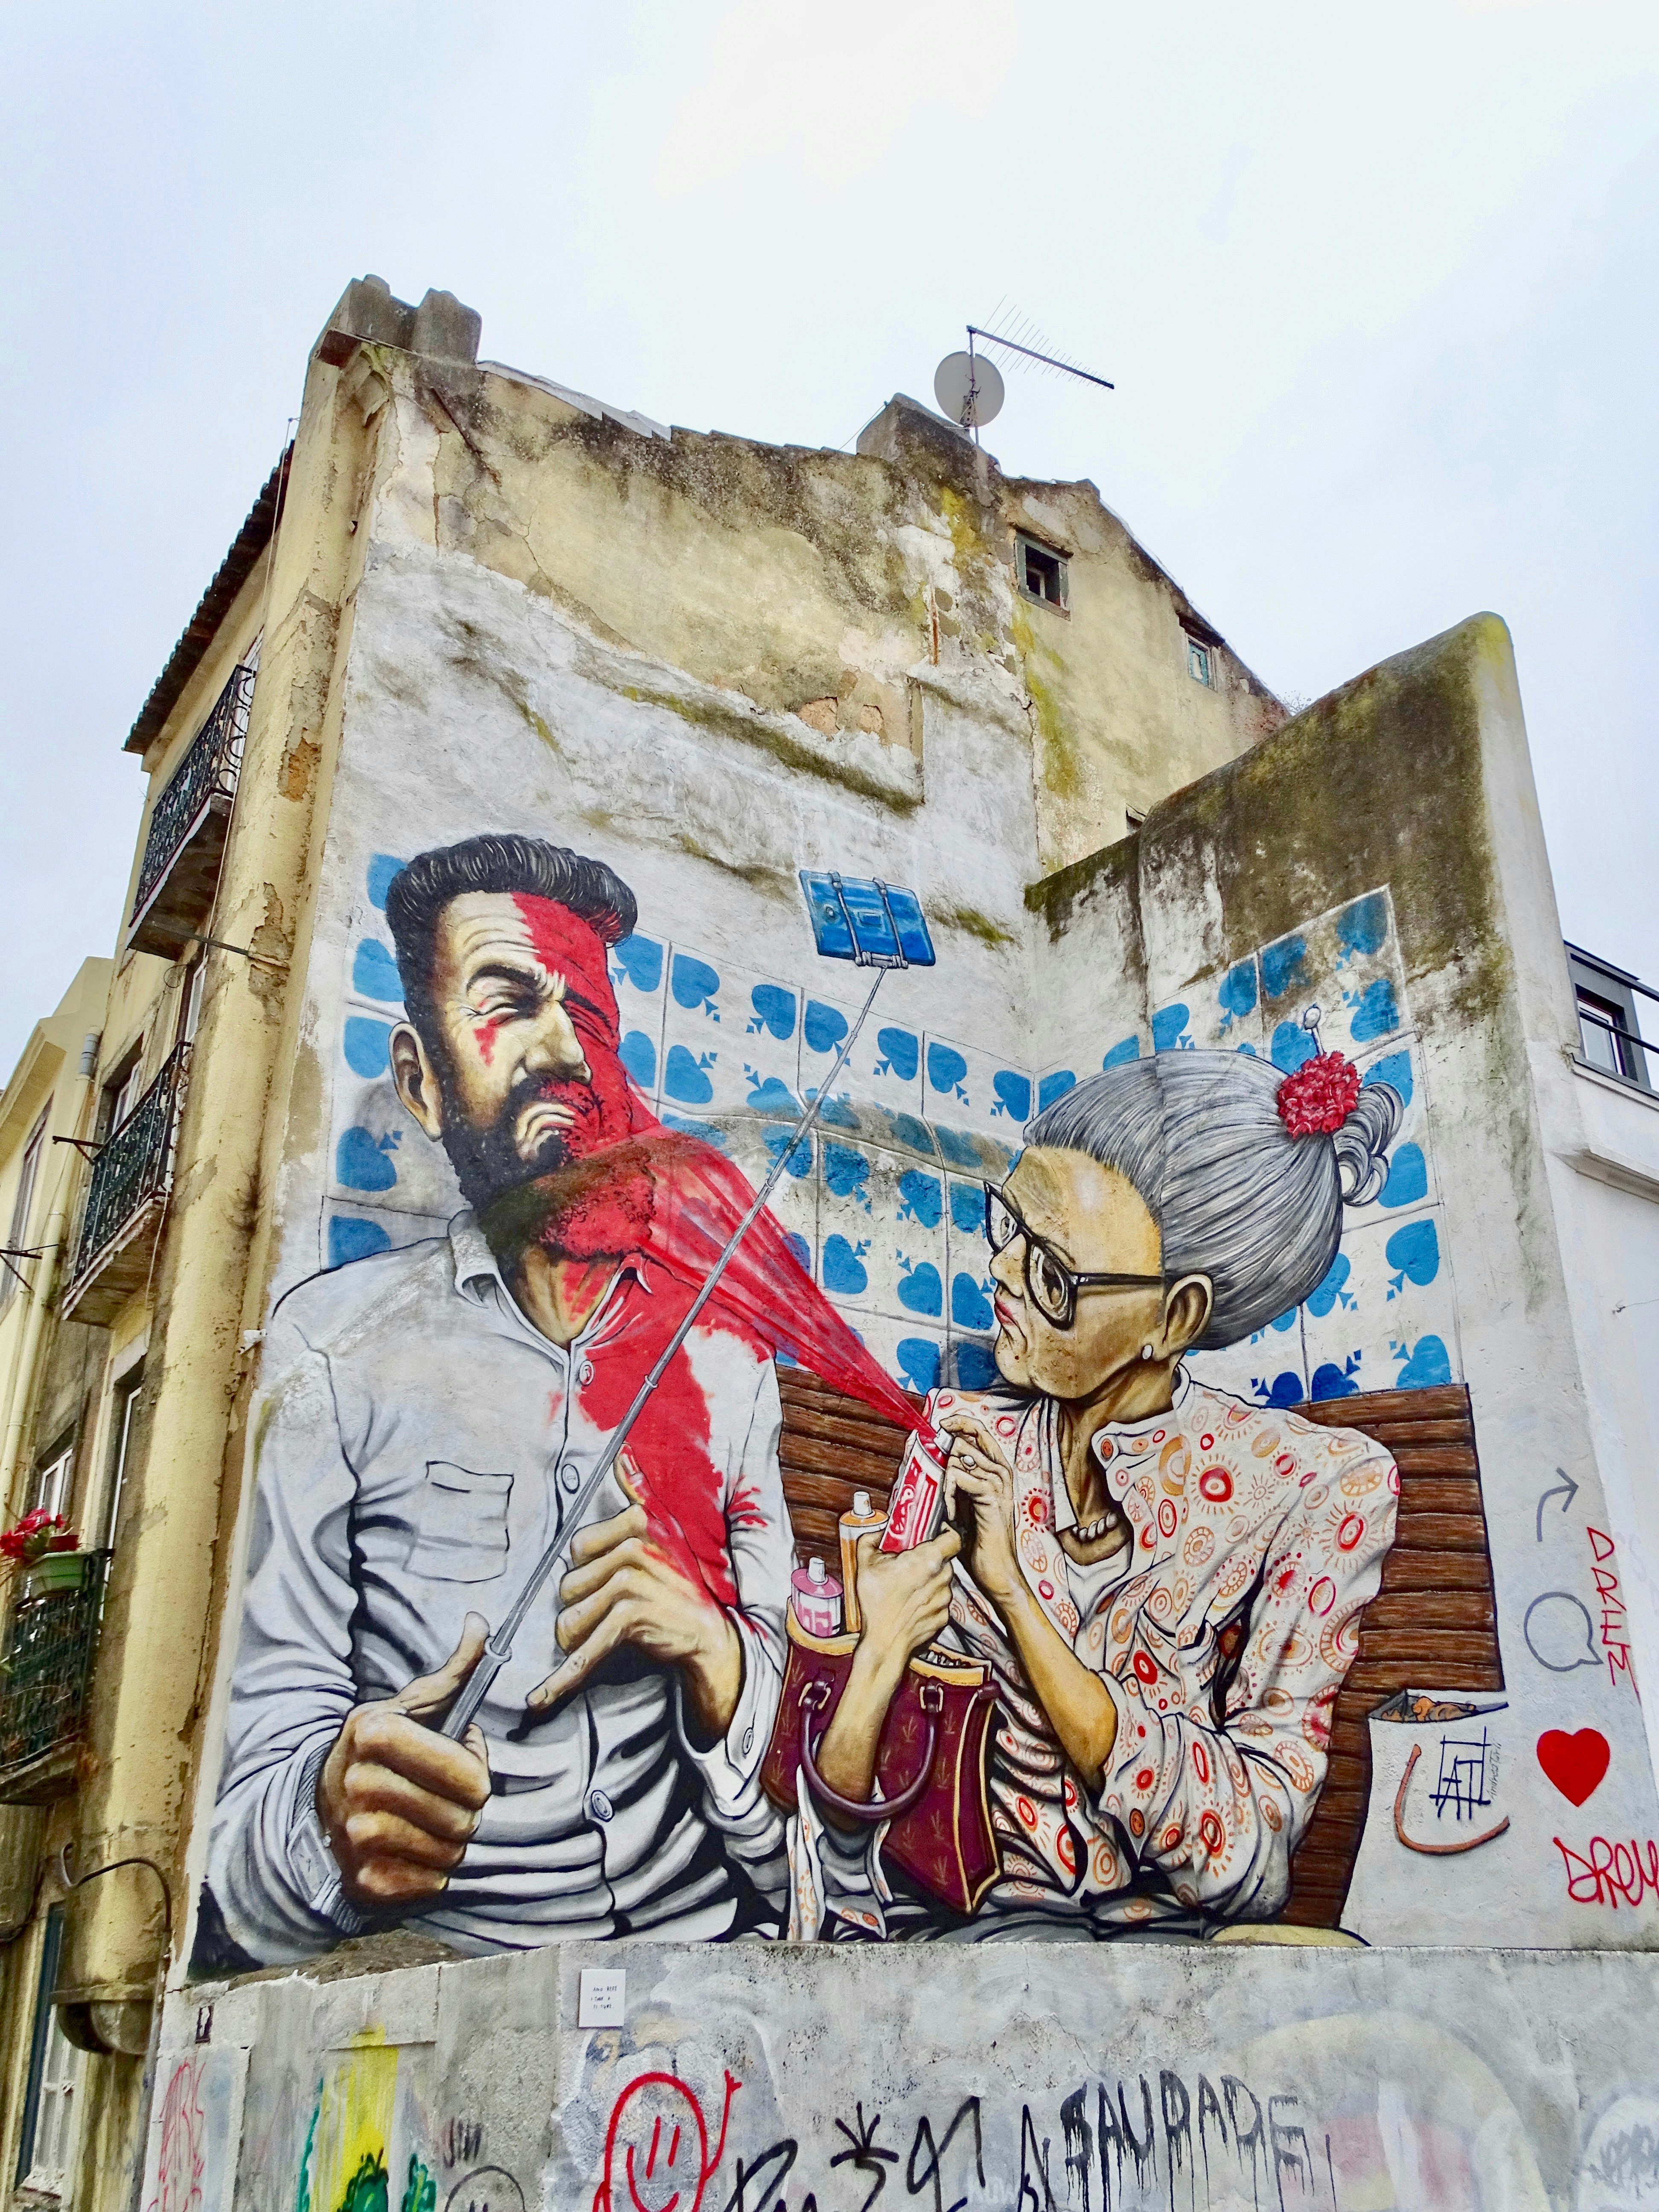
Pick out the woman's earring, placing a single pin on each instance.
(1145, 1351)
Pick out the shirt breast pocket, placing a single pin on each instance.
(460, 1524)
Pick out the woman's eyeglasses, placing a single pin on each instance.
(1050, 1284)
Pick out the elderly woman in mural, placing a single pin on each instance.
(1165, 1581)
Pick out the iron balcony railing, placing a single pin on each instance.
(208, 771)
(134, 1164)
(46, 1667)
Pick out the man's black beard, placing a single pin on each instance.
(488, 1162)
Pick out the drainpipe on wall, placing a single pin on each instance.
(39, 1296)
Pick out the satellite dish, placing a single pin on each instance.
(962, 374)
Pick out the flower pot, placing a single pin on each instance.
(53, 1571)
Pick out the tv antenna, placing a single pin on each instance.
(970, 388)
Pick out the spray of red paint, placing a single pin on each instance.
(631, 1189)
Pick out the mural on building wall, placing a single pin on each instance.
(1119, 1635)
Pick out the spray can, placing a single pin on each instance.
(816, 1599)
(853, 1525)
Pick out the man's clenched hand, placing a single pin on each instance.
(398, 1802)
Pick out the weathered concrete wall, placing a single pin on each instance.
(1022, 2079)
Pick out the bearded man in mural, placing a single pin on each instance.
(1164, 1582)
(443, 1407)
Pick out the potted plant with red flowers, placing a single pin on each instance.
(46, 1552)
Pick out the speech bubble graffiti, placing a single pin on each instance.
(1553, 1638)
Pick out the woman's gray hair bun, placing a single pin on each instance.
(1361, 1144)
(1236, 1194)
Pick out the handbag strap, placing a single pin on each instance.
(878, 1809)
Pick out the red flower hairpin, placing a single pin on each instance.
(1320, 1096)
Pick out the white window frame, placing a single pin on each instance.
(52, 2143)
(55, 1479)
(127, 1393)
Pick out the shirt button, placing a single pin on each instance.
(599, 1806)
(570, 1476)
(585, 1373)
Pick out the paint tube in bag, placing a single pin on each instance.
(916, 1506)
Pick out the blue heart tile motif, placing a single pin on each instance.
(922, 1200)
(1374, 1010)
(381, 870)
(361, 1164)
(375, 972)
(1408, 1177)
(1331, 1292)
(913, 1134)
(639, 1056)
(366, 1046)
(799, 1162)
(695, 983)
(1013, 1094)
(824, 1027)
(846, 1173)
(1330, 1381)
(349, 1240)
(1169, 1030)
(639, 959)
(968, 1208)
(1414, 1253)
(1284, 1390)
(918, 1363)
(1284, 966)
(947, 1070)
(1428, 1366)
(1291, 1046)
(802, 1250)
(969, 1306)
(1281, 1323)
(1394, 1068)
(900, 1054)
(1362, 927)
(920, 1290)
(1125, 1049)
(1237, 993)
(690, 1126)
(844, 1271)
(684, 1078)
(975, 1366)
(1054, 1085)
(769, 1094)
(957, 1148)
(775, 1010)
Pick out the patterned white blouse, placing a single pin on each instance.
(1223, 1631)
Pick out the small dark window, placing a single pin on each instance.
(1200, 662)
(1041, 572)
(123, 1088)
(1609, 1029)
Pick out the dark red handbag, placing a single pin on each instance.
(931, 1763)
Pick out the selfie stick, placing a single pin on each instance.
(498, 1649)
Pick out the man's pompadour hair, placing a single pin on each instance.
(529, 867)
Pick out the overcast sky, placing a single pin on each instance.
(1376, 287)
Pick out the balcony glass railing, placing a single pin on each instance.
(46, 1667)
(208, 771)
(134, 1165)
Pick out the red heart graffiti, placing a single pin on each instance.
(1575, 1764)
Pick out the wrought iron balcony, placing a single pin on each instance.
(46, 1667)
(187, 826)
(127, 1192)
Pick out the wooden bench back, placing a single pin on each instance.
(1433, 1624)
